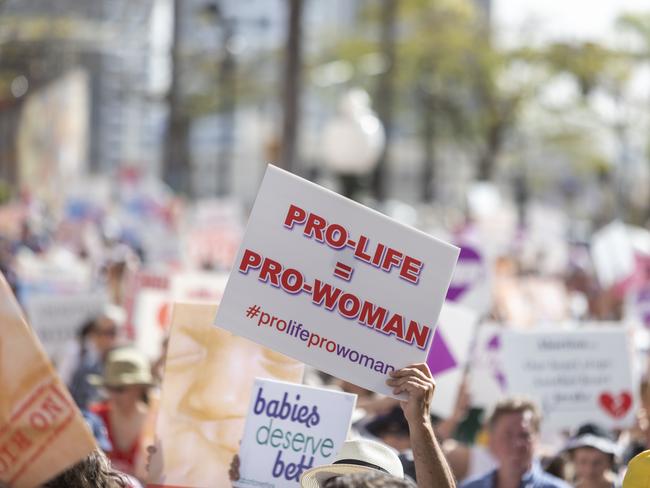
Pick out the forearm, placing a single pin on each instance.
(431, 468)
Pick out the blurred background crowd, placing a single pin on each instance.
(134, 135)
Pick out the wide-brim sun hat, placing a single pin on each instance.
(356, 456)
(124, 366)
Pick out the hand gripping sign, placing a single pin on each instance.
(335, 284)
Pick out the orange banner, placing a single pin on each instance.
(41, 430)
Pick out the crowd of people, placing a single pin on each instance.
(391, 443)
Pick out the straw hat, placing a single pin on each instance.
(356, 456)
(125, 366)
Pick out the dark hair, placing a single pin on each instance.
(369, 479)
(94, 471)
(515, 405)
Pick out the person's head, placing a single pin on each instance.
(392, 428)
(370, 479)
(94, 471)
(103, 329)
(513, 428)
(127, 376)
(592, 453)
(590, 464)
(358, 456)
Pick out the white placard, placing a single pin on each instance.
(449, 354)
(335, 284)
(471, 283)
(291, 428)
(487, 383)
(56, 318)
(576, 376)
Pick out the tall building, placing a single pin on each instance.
(117, 43)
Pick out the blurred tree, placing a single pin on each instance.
(292, 84)
(638, 24)
(385, 90)
(448, 76)
(177, 169)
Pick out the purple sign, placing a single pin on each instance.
(440, 357)
(469, 270)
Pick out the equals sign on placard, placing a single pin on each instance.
(343, 271)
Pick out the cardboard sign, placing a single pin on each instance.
(335, 284)
(289, 429)
(449, 354)
(41, 430)
(209, 376)
(576, 376)
(57, 317)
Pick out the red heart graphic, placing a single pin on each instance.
(616, 406)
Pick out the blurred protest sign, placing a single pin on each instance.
(335, 284)
(449, 354)
(289, 429)
(575, 376)
(153, 294)
(57, 317)
(487, 378)
(56, 271)
(209, 376)
(470, 283)
(41, 430)
(198, 286)
(212, 235)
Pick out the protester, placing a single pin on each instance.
(364, 455)
(593, 458)
(95, 339)
(356, 456)
(126, 379)
(94, 471)
(513, 429)
(368, 480)
(430, 465)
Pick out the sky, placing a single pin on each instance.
(543, 20)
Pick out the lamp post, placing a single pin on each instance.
(353, 141)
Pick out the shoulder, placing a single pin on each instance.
(482, 481)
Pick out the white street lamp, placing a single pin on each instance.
(354, 138)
